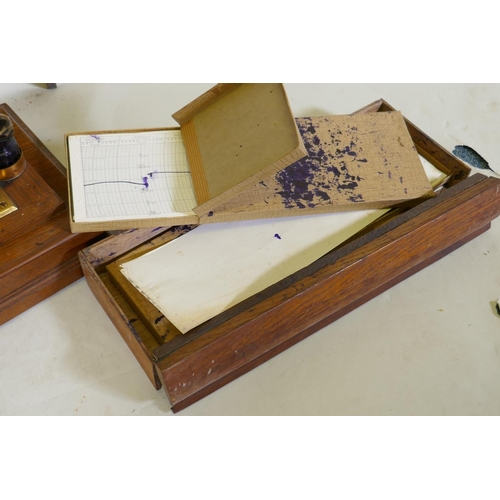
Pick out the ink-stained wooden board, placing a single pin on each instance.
(38, 252)
(354, 162)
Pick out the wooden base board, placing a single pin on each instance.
(38, 252)
(195, 364)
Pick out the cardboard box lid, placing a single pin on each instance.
(235, 136)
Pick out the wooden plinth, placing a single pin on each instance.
(38, 253)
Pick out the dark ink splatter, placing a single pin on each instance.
(355, 198)
(277, 236)
(210, 214)
(307, 182)
(157, 320)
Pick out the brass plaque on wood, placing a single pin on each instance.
(7, 206)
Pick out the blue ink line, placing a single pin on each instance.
(115, 182)
(144, 179)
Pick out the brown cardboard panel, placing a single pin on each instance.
(235, 136)
(355, 162)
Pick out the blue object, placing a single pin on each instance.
(473, 158)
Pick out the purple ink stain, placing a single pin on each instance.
(308, 182)
(96, 137)
(145, 182)
(277, 236)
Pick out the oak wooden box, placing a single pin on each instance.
(193, 365)
(38, 252)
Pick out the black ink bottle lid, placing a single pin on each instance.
(12, 163)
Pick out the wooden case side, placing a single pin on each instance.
(120, 320)
(42, 262)
(104, 252)
(218, 354)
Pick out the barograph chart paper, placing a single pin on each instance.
(120, 176)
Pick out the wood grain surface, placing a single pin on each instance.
(193, 365)
(39, 255)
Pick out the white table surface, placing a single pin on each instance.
(428, 346)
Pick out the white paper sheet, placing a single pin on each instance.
(435, 176)
(215, 266)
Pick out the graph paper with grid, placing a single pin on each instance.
(119, 176)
